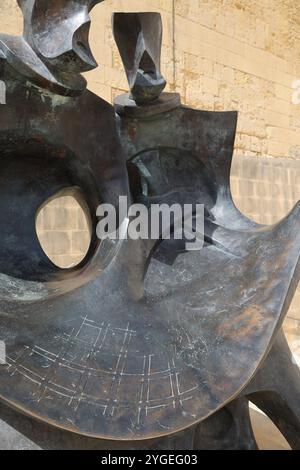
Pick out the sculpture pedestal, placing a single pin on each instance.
(125, 106)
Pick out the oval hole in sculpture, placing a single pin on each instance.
(63, 227)
(267, 435)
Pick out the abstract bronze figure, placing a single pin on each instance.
(139, 38)
(143, 344)
(53, 52)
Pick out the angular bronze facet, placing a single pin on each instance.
(54, 48)
(139, 38)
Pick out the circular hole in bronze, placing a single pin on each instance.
(63, 228)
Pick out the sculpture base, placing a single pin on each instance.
(125, 106)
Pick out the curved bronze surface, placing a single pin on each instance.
(143, 339)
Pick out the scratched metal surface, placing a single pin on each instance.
(127, 370)
(84, 353)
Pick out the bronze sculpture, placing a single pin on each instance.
(139, 36)
(143, 342)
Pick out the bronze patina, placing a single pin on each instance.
(144, 344)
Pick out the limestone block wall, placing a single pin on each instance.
(63, 231)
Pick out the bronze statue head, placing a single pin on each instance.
(54, 48)
(58, 32)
